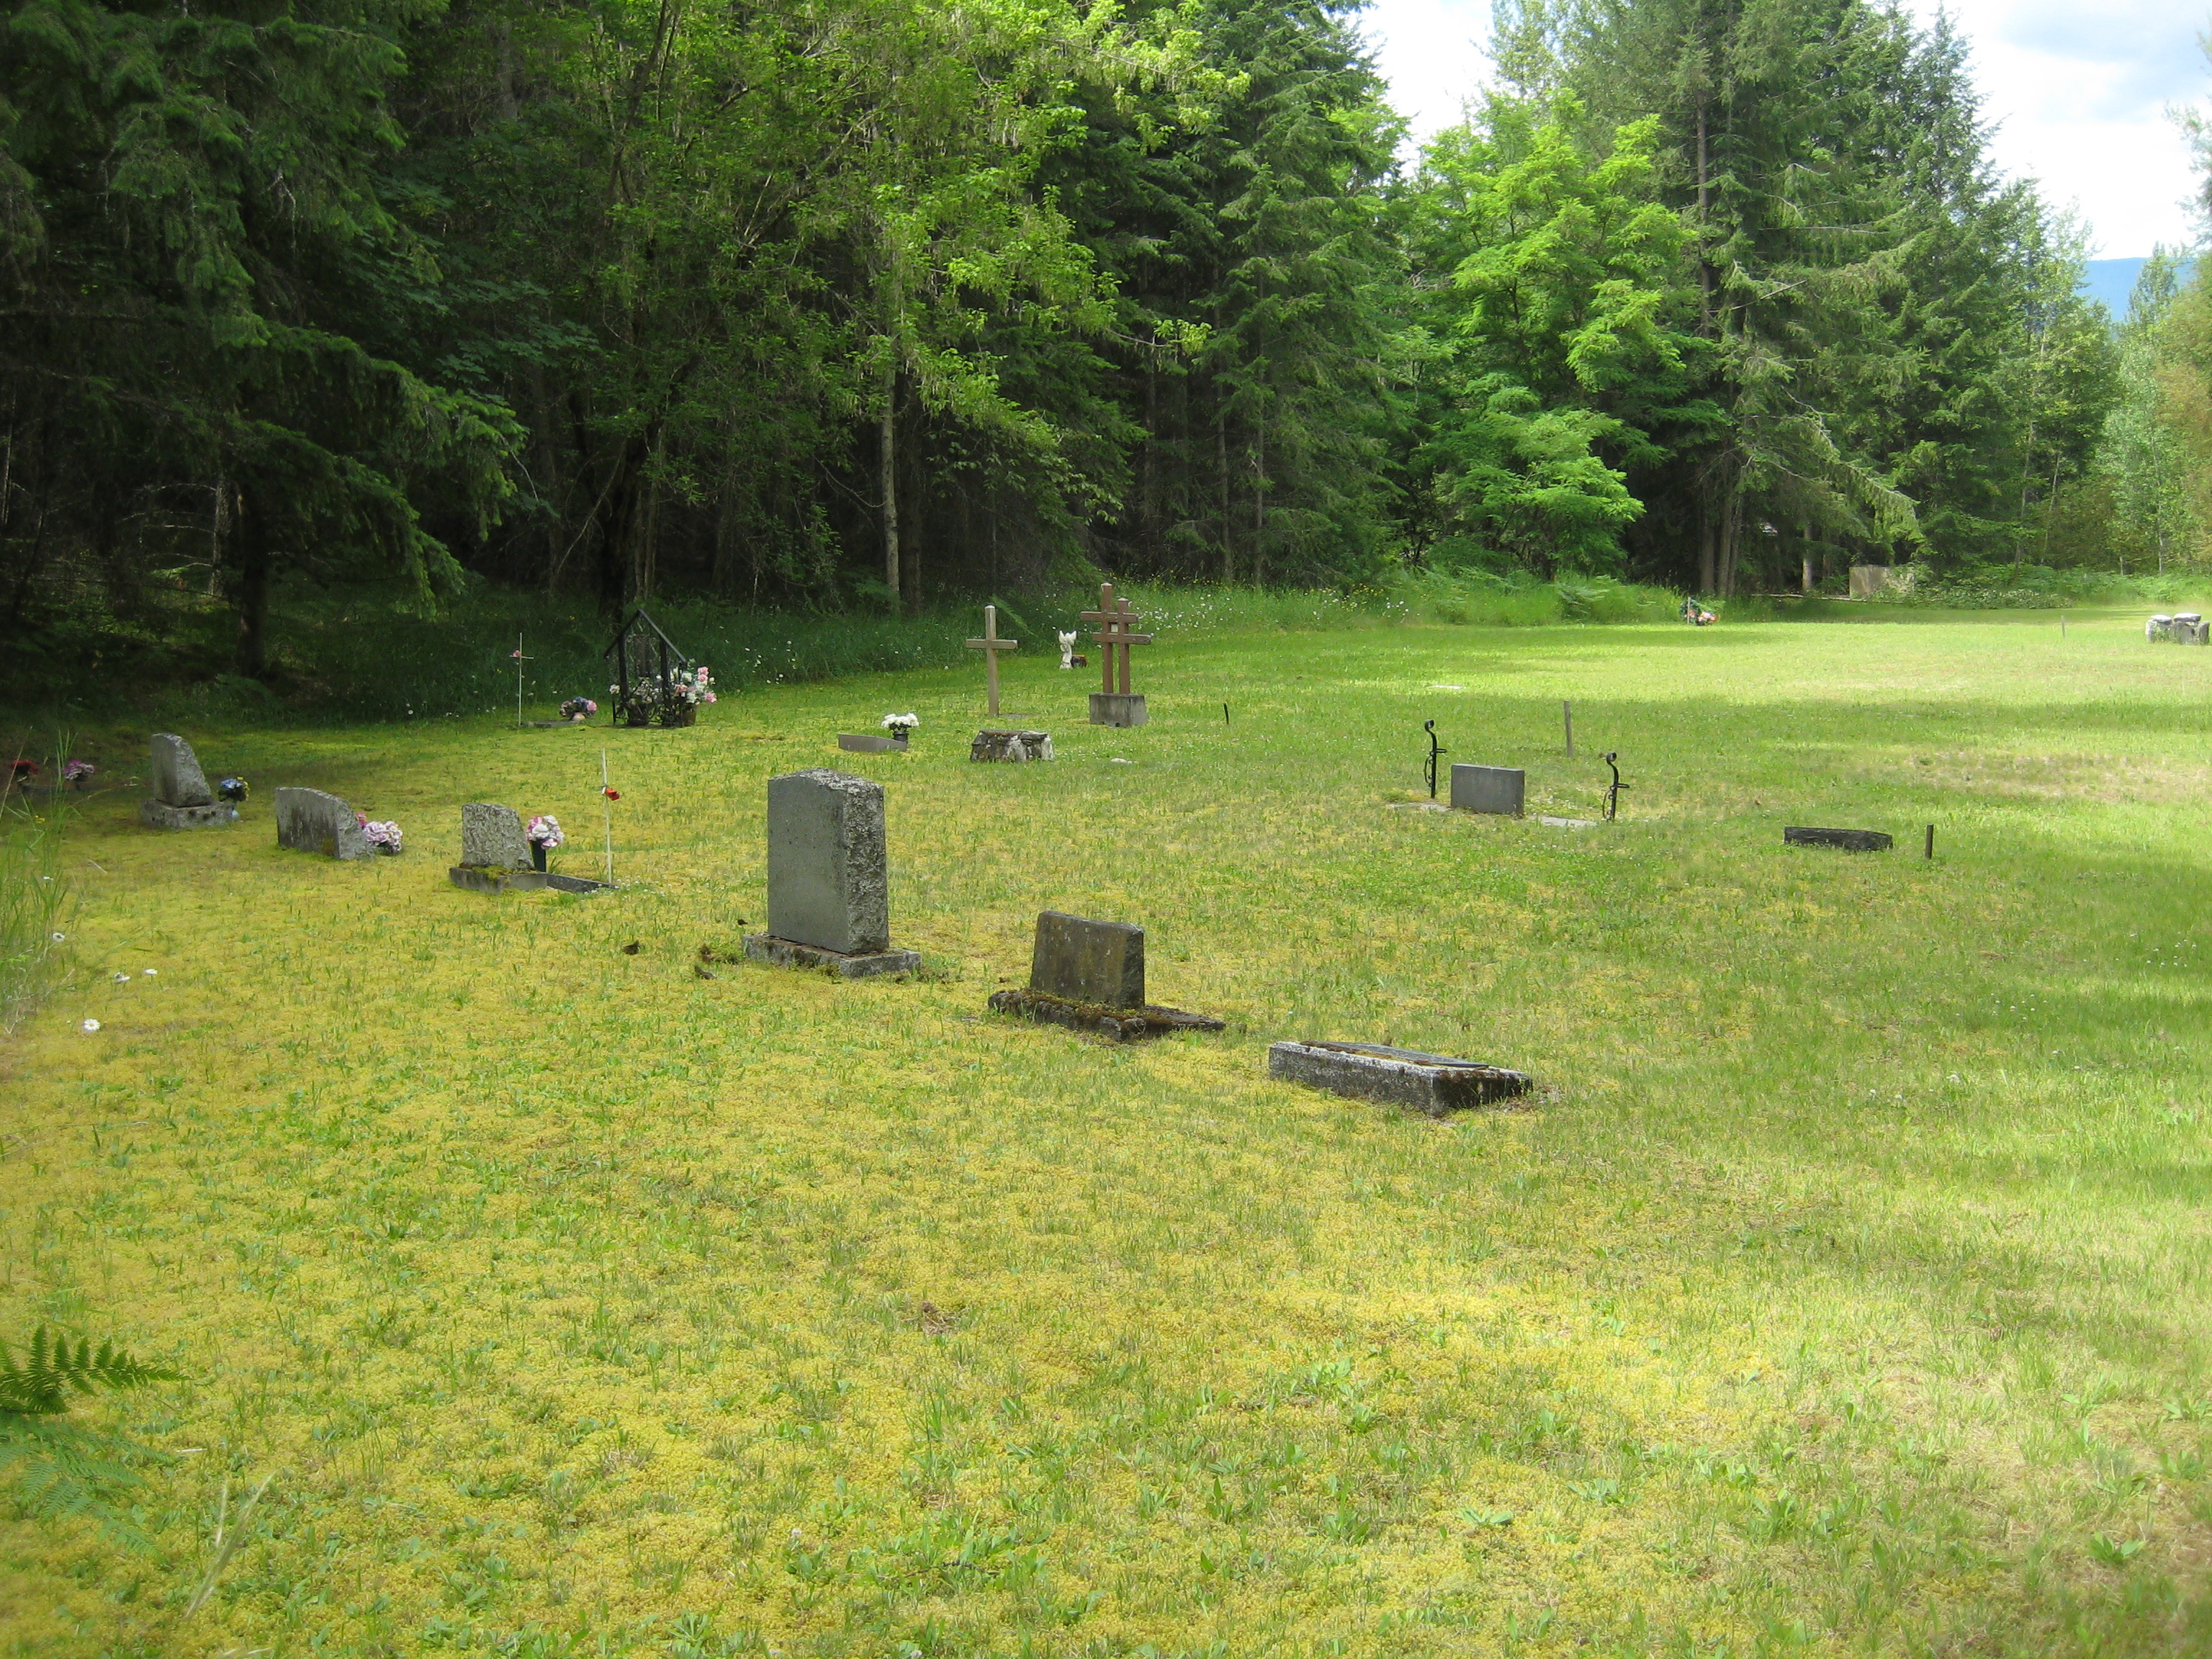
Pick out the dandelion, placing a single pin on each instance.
(90, 1025)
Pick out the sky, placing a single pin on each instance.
(2079, 93)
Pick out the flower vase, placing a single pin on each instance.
(681, 714)
(538, 856)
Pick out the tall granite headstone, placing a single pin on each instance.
(828, 883)
(309, 820)
(181, 799)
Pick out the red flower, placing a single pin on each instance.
(611, 794)
(24, 768)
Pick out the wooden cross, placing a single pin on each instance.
(990, 644)
(1113, 617)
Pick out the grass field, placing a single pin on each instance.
(1846, 1292)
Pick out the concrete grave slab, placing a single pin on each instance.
(1432, 1083)
(1856, 841)
(994, 744)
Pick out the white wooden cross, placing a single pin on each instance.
(990, 644)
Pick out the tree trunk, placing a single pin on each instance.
(1221, 457)
(1259, 504)
(887, 476)
(251, 596)
(1707, 574)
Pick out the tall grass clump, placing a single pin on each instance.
(2036, 587)
(34, 900)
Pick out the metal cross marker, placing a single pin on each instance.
(990, 644)
(1435, 750)
(1114, 617)
(1612, 790)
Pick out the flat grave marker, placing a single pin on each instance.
(1431, 1084)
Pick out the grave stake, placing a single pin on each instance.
(1930, 853)
(607, 800)
(2062, 624)
(990, 644)
(519, 660)
(1225, 714)
(1612, 790)
(1435, 750)
(1568, 710)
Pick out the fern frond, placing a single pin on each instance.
(61, 1472)
(52, 1371)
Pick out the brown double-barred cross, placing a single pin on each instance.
(1115, 618)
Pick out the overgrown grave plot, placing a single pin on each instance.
(1841, 1293)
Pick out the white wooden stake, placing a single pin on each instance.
(607, 801)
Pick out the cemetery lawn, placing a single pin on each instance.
(1846, 1292)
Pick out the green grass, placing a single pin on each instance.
(1844, 1292)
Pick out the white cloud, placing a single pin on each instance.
(2079, 95)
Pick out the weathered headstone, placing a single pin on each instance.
(1086, 961)
(1433, 1084)
(181, 799)
(991, 745)
(492, 837)
(494, 851)
(1089, 977)
(871, 743)
(309, 820)
(829, 891)
(1856, 841)
(1488, 789)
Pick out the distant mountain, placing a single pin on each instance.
(2112, 281)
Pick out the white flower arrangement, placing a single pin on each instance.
(381, 834)
(901, 725)
(544, 831)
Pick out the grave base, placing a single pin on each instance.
(1117, 709)
(1432, 1083)
(162, 816)
(786, 953)
(867, 743)
(1118, 1024)
(488, 878)
(1856, 841)
(996, 743)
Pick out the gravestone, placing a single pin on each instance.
(829, 889)
(871, 743)
(181, 799)
(309, 820)
(492, 837)
(1404, 1077)
(1856, 841)
(991, 745)
(1086, 961)
(1089, 977)
(494, 851)
(1501, 789)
